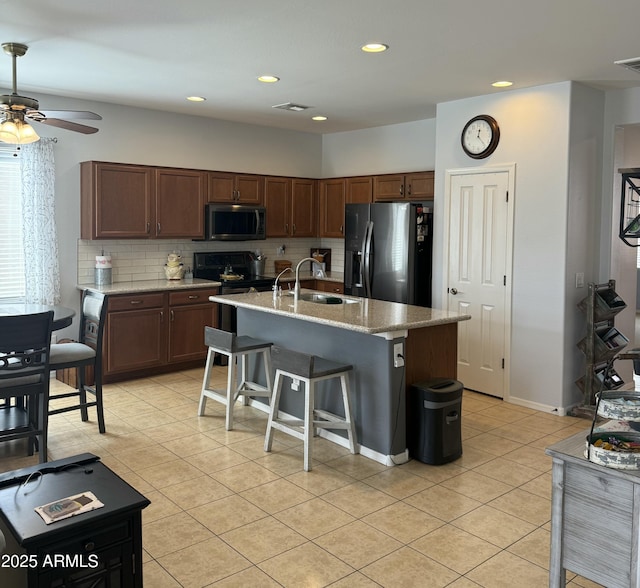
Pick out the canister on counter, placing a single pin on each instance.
(103, 270)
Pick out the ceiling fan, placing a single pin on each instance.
(16, 110)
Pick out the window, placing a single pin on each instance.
(12, 274)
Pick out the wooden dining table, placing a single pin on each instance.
(62, 316)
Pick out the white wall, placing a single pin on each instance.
(535, 129)
(389, 149)
(583, 223)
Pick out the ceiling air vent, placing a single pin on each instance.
(633, 63)
(291, 106)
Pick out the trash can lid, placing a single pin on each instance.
(439, 389)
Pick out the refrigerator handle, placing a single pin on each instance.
(366, 255)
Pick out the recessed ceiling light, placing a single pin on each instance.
(374, 47)
(268, 79)
(195, 99)
(502, 84)
(319, 117)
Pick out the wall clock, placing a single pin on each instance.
(480, 136)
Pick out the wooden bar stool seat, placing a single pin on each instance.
(237, 349)
(308, 369)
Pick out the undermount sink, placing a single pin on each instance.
(324, 298)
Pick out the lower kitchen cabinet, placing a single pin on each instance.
(189, 312)
(329, 286)
(156, 332)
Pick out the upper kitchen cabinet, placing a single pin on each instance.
(235, 188)
(332, 202)
(359, 190)
(303, 207)
(115, 200)
(122, 201)
(179, 202)
(291, 209)
(413, 186)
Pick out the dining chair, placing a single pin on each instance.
(86, 352)
(24, 379)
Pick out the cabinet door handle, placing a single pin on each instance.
(172, 316)
(294, 228)
(409, 190)
(162, 316)
(341, 229)
(159, 228)
(401, 190)
(194, 296)
(286, 228)
(136, 302)
(148, 227)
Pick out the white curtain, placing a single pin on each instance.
(42, 273)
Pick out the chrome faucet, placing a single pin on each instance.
(296, 288)
(275, 285)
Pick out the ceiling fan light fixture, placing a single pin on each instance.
(196, 98)
(14, 130)
(268, 79)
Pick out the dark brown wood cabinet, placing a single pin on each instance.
(359, 190)
(410, 186)
(189, 312)
(122, 201)
(115, 200)
(329, 286)
(303, 207)
(156, 332)
(291, 207)
(234, 188)
(179, 201)
(332, 202)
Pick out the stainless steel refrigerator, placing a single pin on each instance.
(388, 251)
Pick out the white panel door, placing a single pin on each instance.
(478, 215)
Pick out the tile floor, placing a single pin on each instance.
(223, 513)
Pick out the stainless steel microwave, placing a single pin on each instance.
(234, 222)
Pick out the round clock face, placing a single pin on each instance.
(480, 136)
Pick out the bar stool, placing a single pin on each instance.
(309, 369)
(235, 348)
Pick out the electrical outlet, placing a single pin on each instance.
(295, 384)
(580, 280)
(398, 355)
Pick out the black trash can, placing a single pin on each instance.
(434, 421)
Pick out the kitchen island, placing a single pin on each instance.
(390, 345)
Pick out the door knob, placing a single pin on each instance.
(453, 291)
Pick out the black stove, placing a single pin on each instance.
(232, 268)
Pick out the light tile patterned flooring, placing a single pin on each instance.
(224, 513)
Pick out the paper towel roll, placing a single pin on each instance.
(103, 261)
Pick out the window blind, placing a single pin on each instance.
(12, 283)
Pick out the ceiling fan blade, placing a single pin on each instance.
(70, 126)
(83, 114)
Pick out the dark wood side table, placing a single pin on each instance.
(102, 547)
(595, 518)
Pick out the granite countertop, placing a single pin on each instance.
(141, 286)
(363, 315)
(291, 276)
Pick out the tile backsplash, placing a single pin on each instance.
(134, 259)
